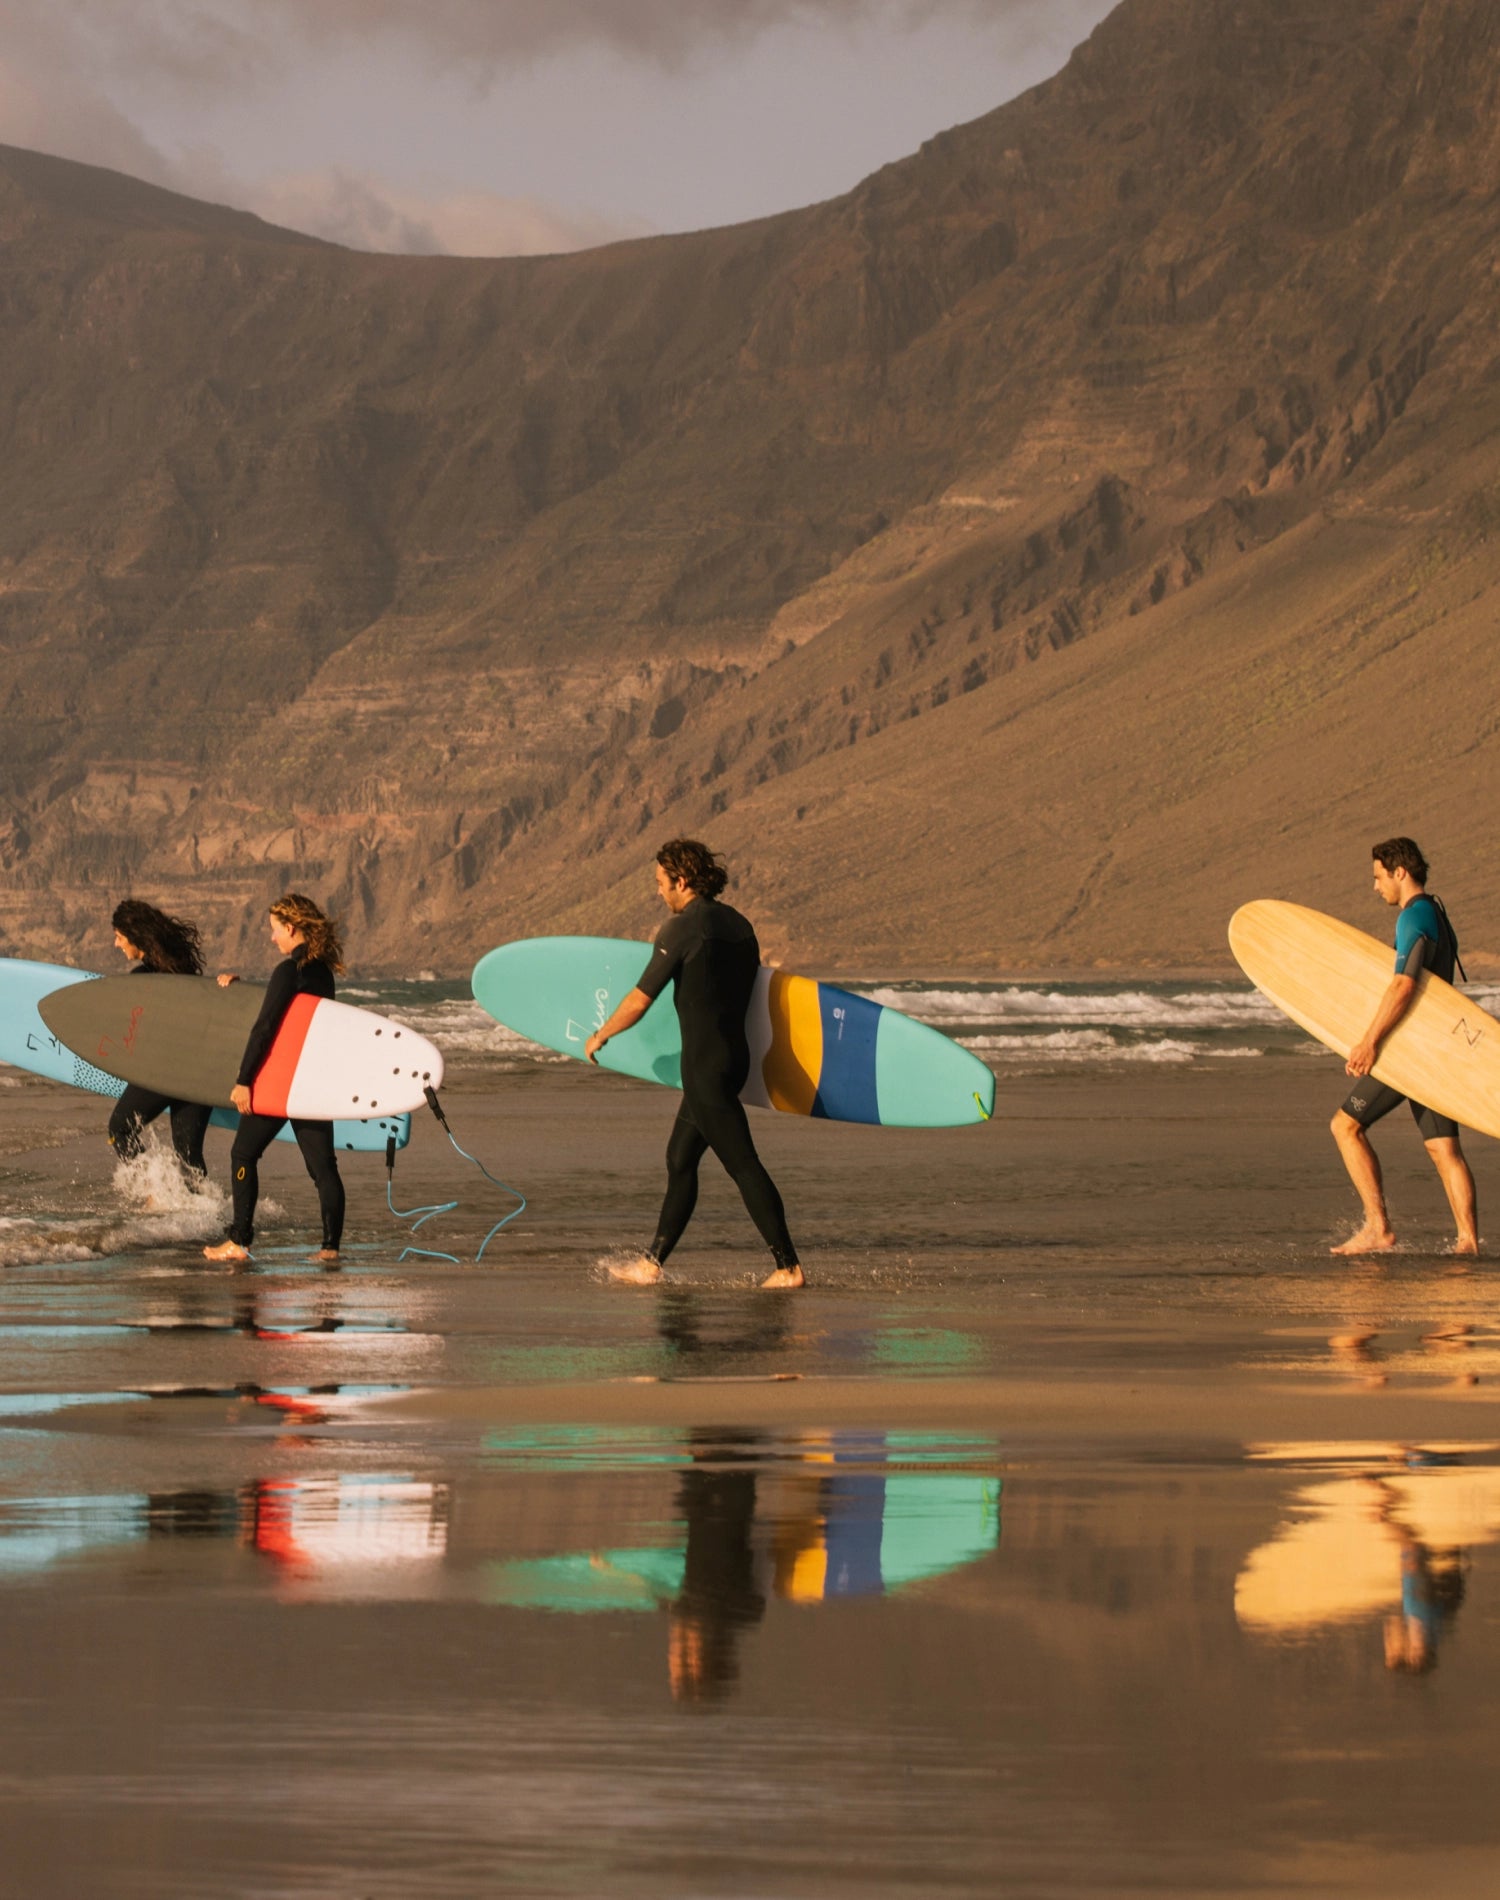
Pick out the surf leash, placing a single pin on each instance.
(406, 1213)
(446, 1207)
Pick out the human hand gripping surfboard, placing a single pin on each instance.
(184, 1036)
(1329, 978)
(814, 1049)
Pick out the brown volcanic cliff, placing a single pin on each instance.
(1082, 526)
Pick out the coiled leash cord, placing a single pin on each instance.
(443, 1207)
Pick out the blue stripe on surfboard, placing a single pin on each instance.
(846, 1085)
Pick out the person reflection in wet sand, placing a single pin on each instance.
(680, 1322)
(1431, 1592)
(721, 1594)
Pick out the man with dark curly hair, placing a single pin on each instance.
(1425, 940)
(707, 952)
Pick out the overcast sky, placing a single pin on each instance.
(497, 126)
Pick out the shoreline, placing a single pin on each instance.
(1141, 1414)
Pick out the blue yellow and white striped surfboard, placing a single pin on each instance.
(814, 1049)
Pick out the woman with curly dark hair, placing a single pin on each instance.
(155, 942)
(313, 950)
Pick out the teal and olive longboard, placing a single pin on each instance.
(814, 1049)
(27, 1043)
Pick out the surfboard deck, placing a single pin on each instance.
(184, 1036)
(1329, 978)
(814, 1049)
(27, 1043)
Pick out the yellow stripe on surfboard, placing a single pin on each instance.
(794, 1061)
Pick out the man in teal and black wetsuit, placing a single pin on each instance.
(1425, 940)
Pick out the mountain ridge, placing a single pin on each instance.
(448, 586)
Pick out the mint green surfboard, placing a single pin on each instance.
(814, 1049)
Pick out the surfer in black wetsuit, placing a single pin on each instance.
(157, 943)
(709, 955)
(310, 943)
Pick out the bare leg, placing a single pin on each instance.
(1374, 1235)
(1458, 1185)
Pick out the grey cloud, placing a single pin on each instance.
(209, 44)
(369, 215)
(72, 72)
(49, 109)
(48, 103)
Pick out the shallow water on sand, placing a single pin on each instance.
(1084, 1527)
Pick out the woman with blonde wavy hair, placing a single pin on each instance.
(312, 947)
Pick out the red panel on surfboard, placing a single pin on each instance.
(272, 1087)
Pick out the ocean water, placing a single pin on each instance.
(1017, 1028)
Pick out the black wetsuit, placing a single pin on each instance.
(722, 1592)
(300, 975)
(709, 955)
(136, 1108)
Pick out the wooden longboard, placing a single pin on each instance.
(1329, 978)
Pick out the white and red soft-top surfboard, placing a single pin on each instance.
(330, 1059)
(184, 1037)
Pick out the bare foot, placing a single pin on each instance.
(325, 1256)
(785, 1277)
(641, 1271)
(1466, 1244)
(227, 1250)
(1367, 1240)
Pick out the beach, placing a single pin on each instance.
(1056, 1539)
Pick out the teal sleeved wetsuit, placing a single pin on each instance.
(1425, 940)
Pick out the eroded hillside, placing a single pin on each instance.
(1087, 523)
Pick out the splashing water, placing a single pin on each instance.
(158, 1206)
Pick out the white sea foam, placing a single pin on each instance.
(1095, 1046)
(1008, 1023)
(44, 1239)
(459, 1026)
(1196, 1009)
(158, 1207)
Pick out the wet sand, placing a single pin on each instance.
(1052, 1541)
